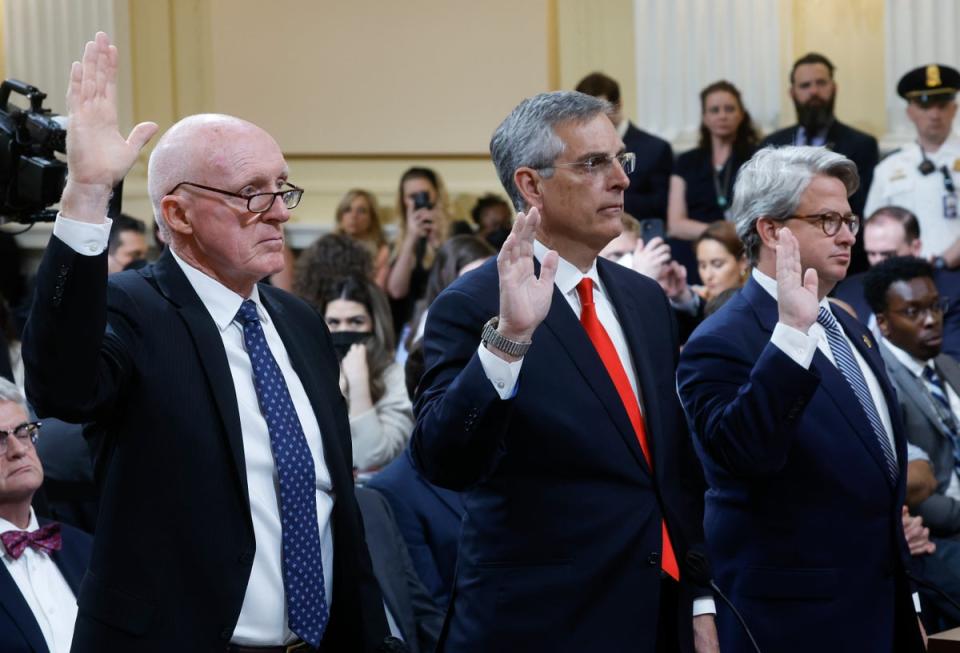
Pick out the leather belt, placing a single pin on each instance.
(296, 647)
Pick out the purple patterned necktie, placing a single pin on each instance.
(43, 539)
(303, 581)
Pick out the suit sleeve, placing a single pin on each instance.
(941, 514)
(460, 418)
(743, 412)
(649, 200)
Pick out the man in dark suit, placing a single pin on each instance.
(814, 94)
(894, 231)
(649, 189)
(550, 401)
(429, 518)
(798, 428)
(228, 519)
(413, 615)
(43, 561)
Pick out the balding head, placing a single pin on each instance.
(192, 150)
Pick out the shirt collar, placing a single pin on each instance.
(770, 285)
(568, 275)
(915, 365)
(221, 302)
(9, 526)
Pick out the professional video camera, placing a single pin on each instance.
(31, 176)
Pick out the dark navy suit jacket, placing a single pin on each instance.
(561, 542)
(19, 631)
(140, 355)
(429, 518)
(647, 195)
(850, 290)
(802, 521)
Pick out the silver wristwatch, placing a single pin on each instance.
(492, 338)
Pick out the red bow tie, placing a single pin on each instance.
(43, 539)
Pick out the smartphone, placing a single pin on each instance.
(421, 200)
(652, 228)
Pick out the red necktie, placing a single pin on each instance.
(43, 539)
(611, 360)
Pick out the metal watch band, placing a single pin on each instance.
(492, 338)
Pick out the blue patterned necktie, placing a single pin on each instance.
(303, 583)
(941, 404)
(847, 363)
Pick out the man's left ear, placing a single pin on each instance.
(528, 182)
(883, 324)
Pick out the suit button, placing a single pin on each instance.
(653, 559)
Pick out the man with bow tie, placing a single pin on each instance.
(43, 561)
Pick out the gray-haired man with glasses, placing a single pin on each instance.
(43, 561)
(228, 519)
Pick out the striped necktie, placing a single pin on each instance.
(847, 364)
(941, 404)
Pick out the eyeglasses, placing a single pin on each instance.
(258, 202)
(601, 163)
(28, 431)
(917, 313)
(830, 222)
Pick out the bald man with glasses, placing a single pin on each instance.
(228, 520)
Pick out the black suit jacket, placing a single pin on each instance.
(414, 611)
(141, 356)
(646, 197)
(850, 290)
(561, 541)
(19, 631)
(859, 147)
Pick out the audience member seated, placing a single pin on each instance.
(894, 231)
(327, 260)
(127, 245)
(701, 188)
(43, 562)
(428, 516)
(493, 217)
(412, 614)
(424, 216)
(646, 197)
(456, 257)
(909, 312)
(381, 417)
(358, 216)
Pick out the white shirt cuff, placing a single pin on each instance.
(705, 605)
(796, 344)
(916, 602)
(83, 237)
(502, 375)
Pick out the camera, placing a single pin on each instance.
(421, 200)
(31, 176)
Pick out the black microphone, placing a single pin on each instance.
(699, 569)
(932, 586)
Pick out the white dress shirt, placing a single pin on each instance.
(916, 367)
(263, 617)
(504, 375)
(44, 589)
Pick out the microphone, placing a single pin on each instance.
(699, 569)
(934, 587)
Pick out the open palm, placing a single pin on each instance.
(524, 298)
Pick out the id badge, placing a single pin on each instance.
(950, 206)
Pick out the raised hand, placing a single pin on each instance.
(650, 258)
(524, 298)
(797, 296)
(98, 156)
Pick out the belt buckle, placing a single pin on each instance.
(295, 646)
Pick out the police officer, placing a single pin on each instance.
(924, 176)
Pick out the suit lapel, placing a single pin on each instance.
(16, 606)
(574, 341)
(910, 387)
(209, 348)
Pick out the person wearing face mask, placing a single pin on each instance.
(701, 188)
(381, 417)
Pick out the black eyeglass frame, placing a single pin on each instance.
(853, 221)
(934, 310)
(250, 198)
(31, 433)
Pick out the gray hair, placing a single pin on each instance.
(10, 392)
(772, 182)
(526, 138)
